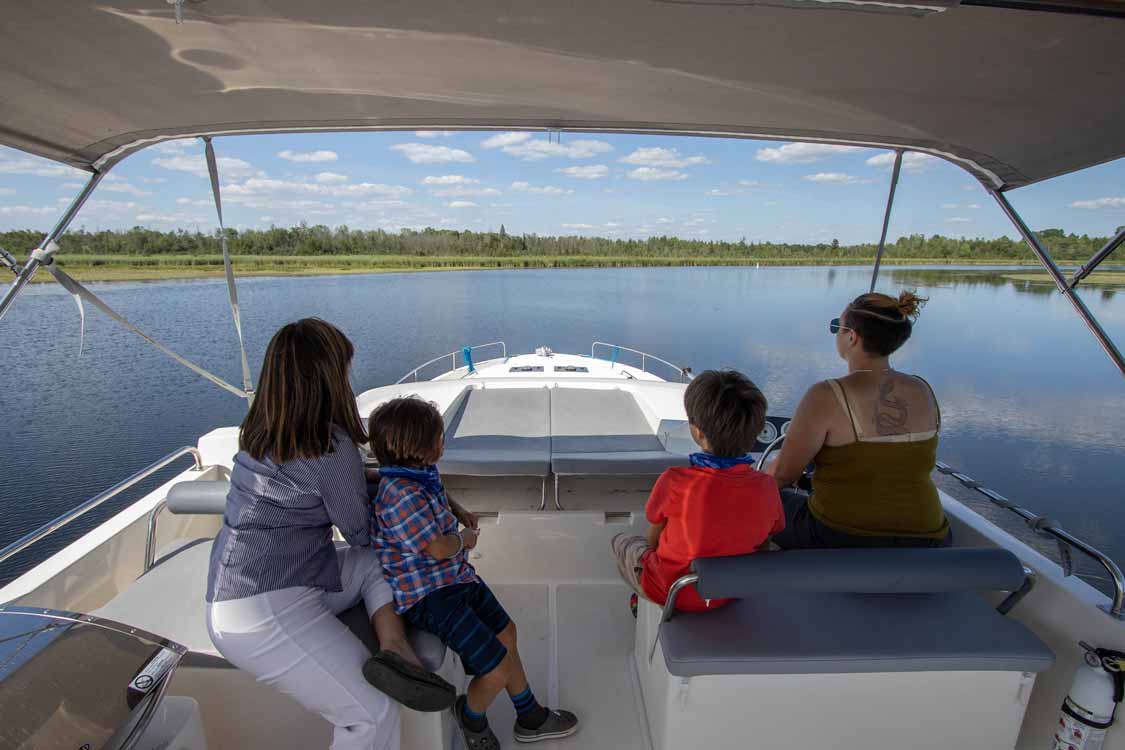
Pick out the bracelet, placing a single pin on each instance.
(460, 544)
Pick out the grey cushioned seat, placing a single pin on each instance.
(499, 432)
(599, 431)
(622, 462)
(169, 601)
(845, 633)
(843, 610)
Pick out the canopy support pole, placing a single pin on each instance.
(1056, 275)
(232, 291)
(887, 218)
(25, 274)
(1089, 266)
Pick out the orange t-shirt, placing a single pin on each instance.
(709, 513)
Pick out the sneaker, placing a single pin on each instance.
(471, 740)
(558, 724)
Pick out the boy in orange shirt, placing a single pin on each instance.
(719, 506)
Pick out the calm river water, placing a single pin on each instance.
(1031, 405)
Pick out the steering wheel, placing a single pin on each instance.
(805, 482)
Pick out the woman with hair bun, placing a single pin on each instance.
(872, 436)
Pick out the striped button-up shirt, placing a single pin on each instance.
(406, 518)
(277, 529)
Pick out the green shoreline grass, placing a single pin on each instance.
(166, 267)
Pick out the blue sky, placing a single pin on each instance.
(605, 185)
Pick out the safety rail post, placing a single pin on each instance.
(1095, 261)
(886, 218)
(54, 525)
(1040, 524)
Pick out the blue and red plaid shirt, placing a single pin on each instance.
(405, 518)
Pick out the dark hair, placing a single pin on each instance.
(728, 409)
(882, 322)
(303, 390)
(405, 432)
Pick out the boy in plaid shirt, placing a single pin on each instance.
(414, 528)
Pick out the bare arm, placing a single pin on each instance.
(445, 547)
(464, 517)
(654, 532)
(806, 435)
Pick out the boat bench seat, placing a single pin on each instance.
(604, 432)
(499, 432)
(168, 600)
(848, 649)
(847, 611)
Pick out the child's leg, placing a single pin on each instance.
(628, 551)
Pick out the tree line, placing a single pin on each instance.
(320, 240)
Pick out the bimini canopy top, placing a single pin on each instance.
(1016, 91)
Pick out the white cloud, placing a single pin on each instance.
(425, 153)
(716, 192)
(591, 172)
(71, 186)
(663, 157)
(194, 202)
(152, 180)
(330, 178)
(308, 156)
(434, 133)
(178, 217)
(1097, 203)
(124, 187)
(7, 191)
(111, 206)
(266, 185)
(801, 153)
(522, 147)
(664, 220)
(504, 139)
(959, 220)
(749, 183)
(652, 173)
(578, 226)
(449, 179)
(461, 204)
(36, 167)
(265, 219)
(195, 164)
(36, 210)
(835, 178)
(524, 187)
(912, 161)
(460, 191)
(173, 147)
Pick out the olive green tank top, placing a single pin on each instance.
(879, 487)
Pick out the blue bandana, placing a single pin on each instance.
(427, 477)
(710, 461)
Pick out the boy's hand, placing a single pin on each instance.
(469, 536)
(464, 517)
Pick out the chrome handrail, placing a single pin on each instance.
(683, 372)
(52, 526)
(1047, 526)
(453, 359)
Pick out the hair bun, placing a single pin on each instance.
(910, 304)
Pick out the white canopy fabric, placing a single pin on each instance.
(1013, 95)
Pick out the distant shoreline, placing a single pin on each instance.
(165, 267)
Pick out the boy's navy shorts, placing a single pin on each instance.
(467, 618)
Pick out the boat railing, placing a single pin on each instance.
(684, 373)
(1050, 527)
(452, 357)
(52, 526)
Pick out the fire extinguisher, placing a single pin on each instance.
(1090, 707)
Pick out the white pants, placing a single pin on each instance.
(290, 639)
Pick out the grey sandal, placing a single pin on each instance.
(471, 740)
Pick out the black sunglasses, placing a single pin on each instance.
(835, 327)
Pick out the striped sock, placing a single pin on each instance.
(474, 721)
(528, 711)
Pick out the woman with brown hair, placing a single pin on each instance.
(872, 437)
(277, 580)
